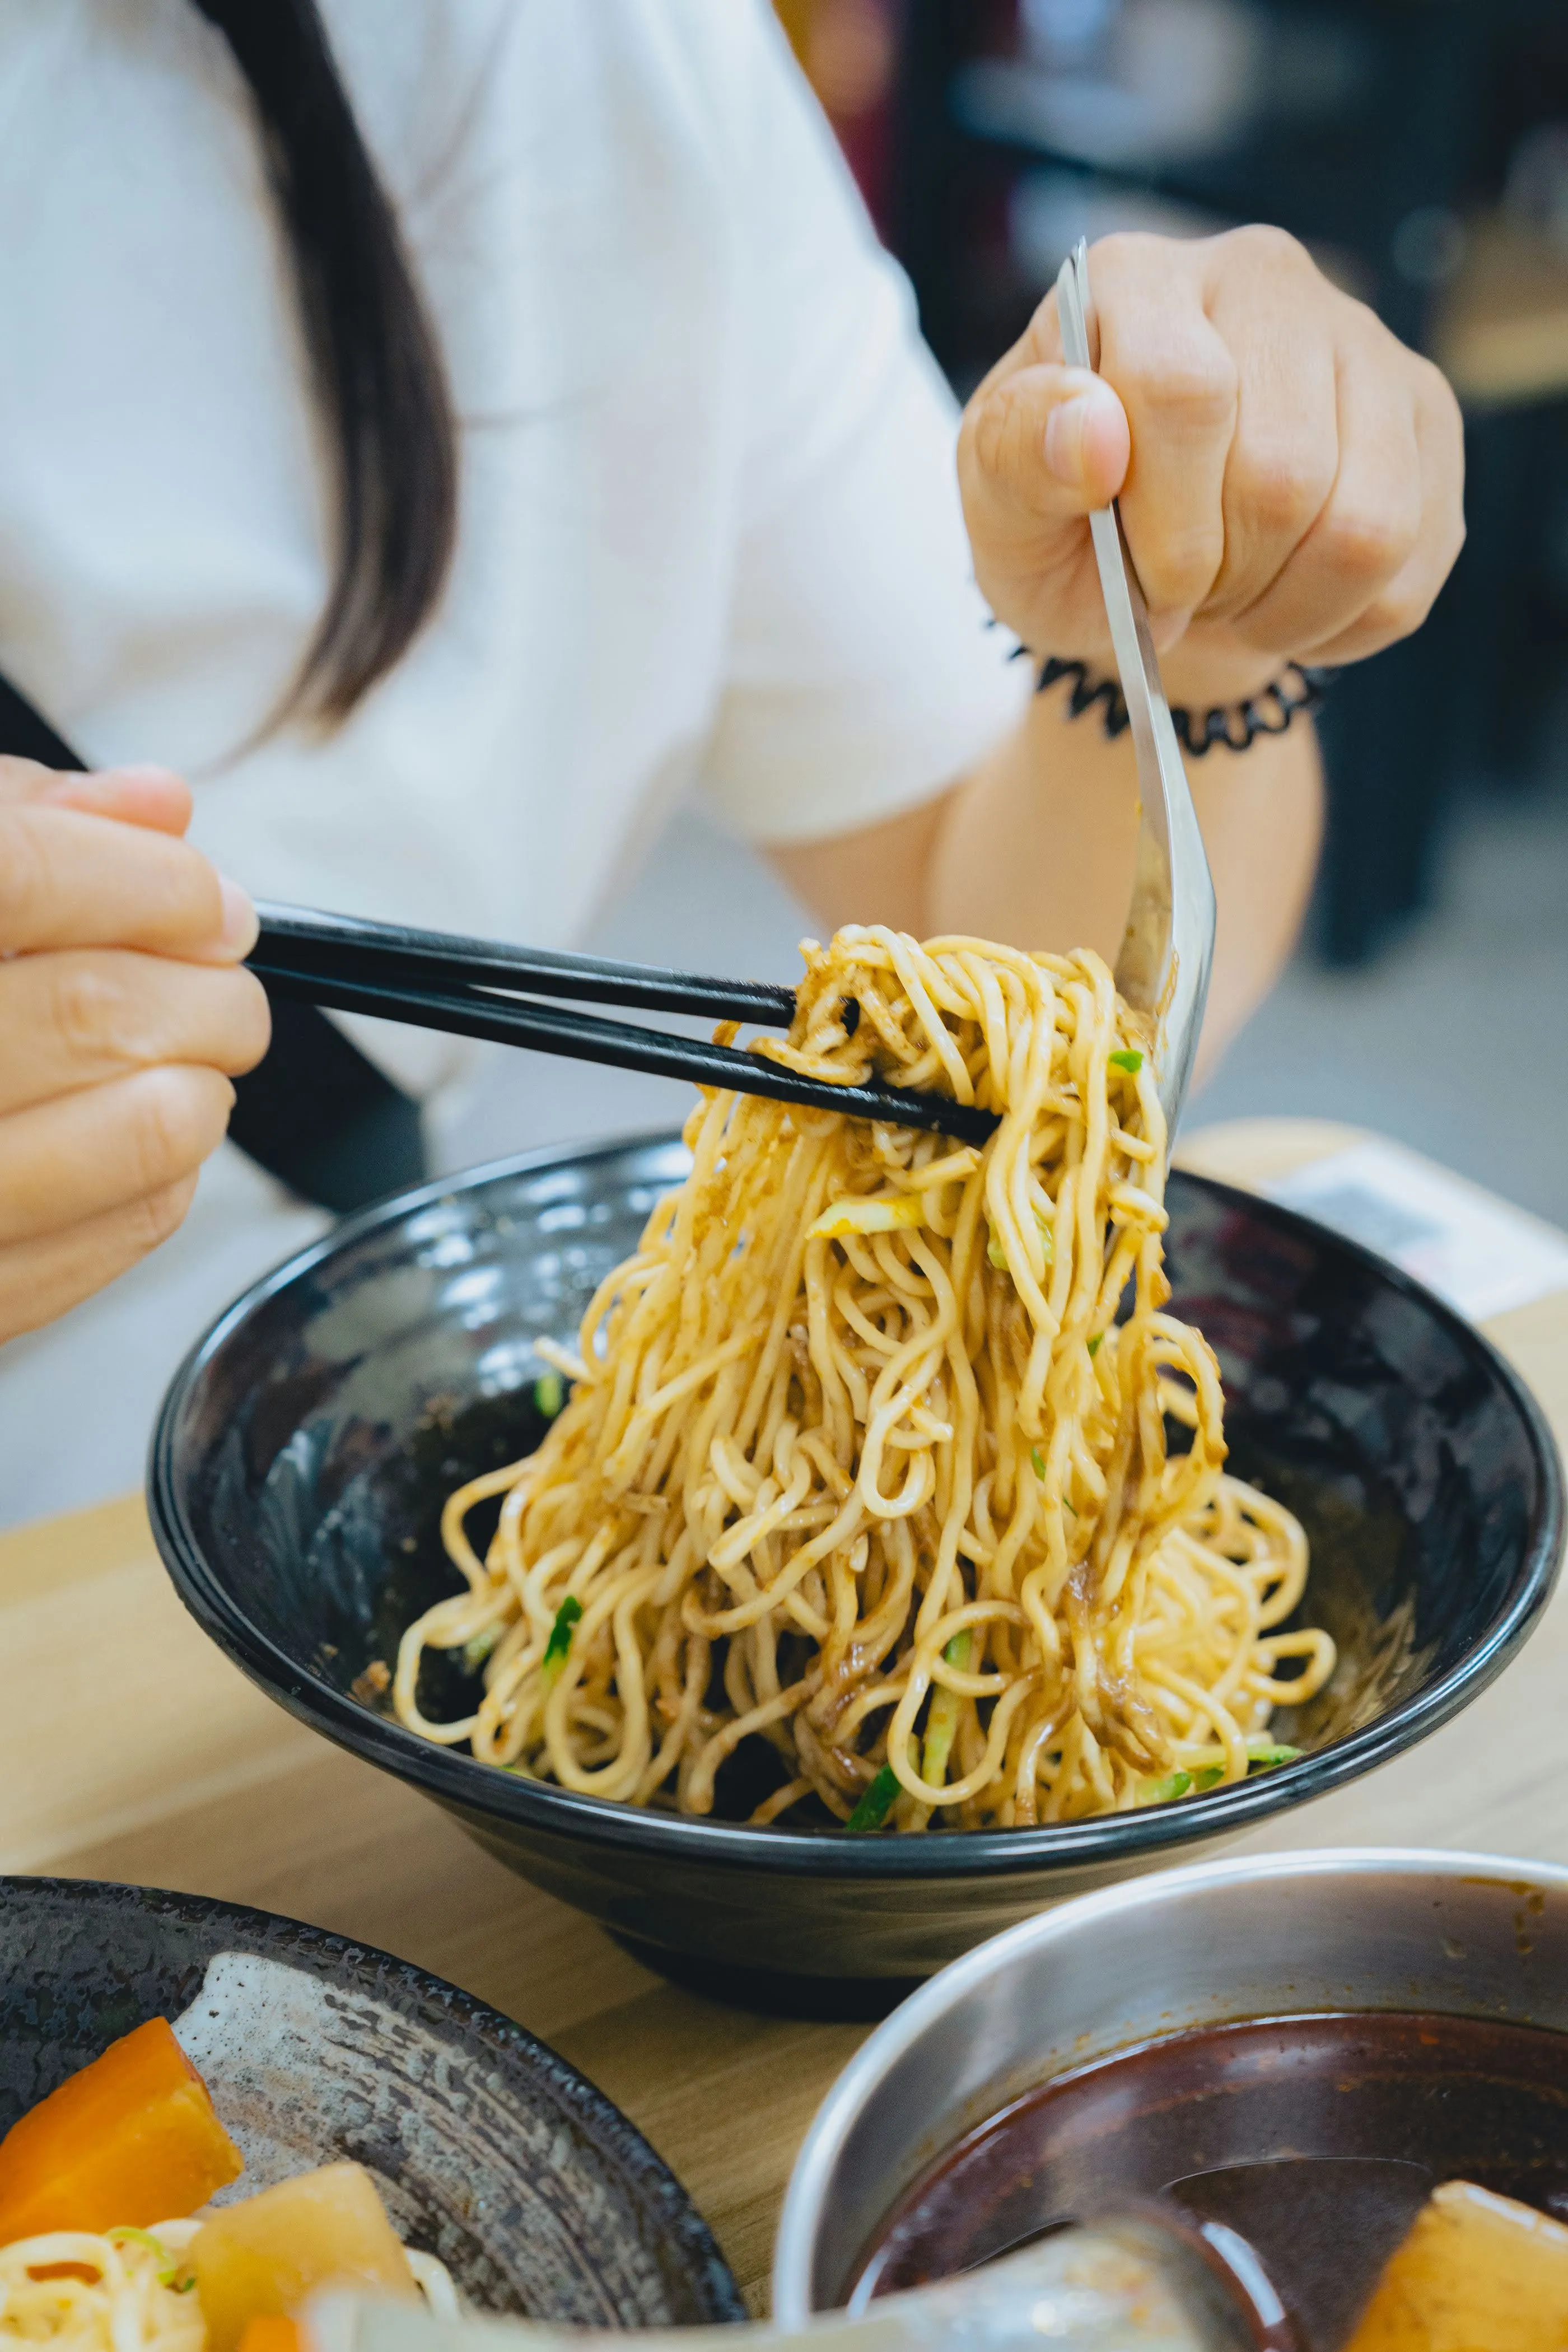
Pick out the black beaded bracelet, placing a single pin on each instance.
(1237, 725)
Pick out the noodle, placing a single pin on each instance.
(859, 1462)
(76, 2291)
(108, 2294)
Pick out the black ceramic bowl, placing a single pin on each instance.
(487, 2149)
(305, 1448)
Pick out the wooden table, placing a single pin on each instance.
(131, 1749)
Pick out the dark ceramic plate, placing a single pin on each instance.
(305, 1448)
(487, 2149)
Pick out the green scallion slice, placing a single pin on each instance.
(877, 1802)
(549, 1394)
(941, 1723)
(477, 1650)
(126, 2233)
(560, 1640)
(1259, 1758)
(1128, 1058)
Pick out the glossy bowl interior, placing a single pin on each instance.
(1276, 1936)
(489, 2150)
(306, 1447)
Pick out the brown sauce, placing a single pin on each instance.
(1302, 2102)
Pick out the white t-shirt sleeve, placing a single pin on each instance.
(862, 677)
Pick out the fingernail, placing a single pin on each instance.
(240, 925)
(1065, 428)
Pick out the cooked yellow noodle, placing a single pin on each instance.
(127, 2305)
(136, 2299)
(860, 1393)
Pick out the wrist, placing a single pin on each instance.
(1268, 707)
(1214, 667)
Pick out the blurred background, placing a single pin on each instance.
(1420, 148)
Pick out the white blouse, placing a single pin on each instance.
(711, 540)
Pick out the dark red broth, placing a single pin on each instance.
(1461, 2097)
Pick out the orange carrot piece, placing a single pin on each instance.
(269, 2331)
(132, 2138)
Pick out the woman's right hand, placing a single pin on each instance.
(123, 1016)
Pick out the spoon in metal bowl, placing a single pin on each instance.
(1130, 2286)
(1168, 949)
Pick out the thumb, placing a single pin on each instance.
(1050, 442)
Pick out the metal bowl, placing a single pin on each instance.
(306, 1446)
(1279, 1935)
(489, 2150)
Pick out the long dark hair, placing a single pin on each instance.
(374, 358)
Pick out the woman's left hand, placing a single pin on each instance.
(1290, 476)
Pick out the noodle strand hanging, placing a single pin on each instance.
(859, 1461)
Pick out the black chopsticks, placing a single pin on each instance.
(475, 988)
(299, 937)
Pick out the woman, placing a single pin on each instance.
(449, 505)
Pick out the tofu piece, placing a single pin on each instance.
(262, 2258)
(1477, 2274)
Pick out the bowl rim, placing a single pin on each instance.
(668, 2203)
(907, 2026)
(456, 1780)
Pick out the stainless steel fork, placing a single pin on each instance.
(1168, 949)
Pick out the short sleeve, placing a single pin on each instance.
(862, 676)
